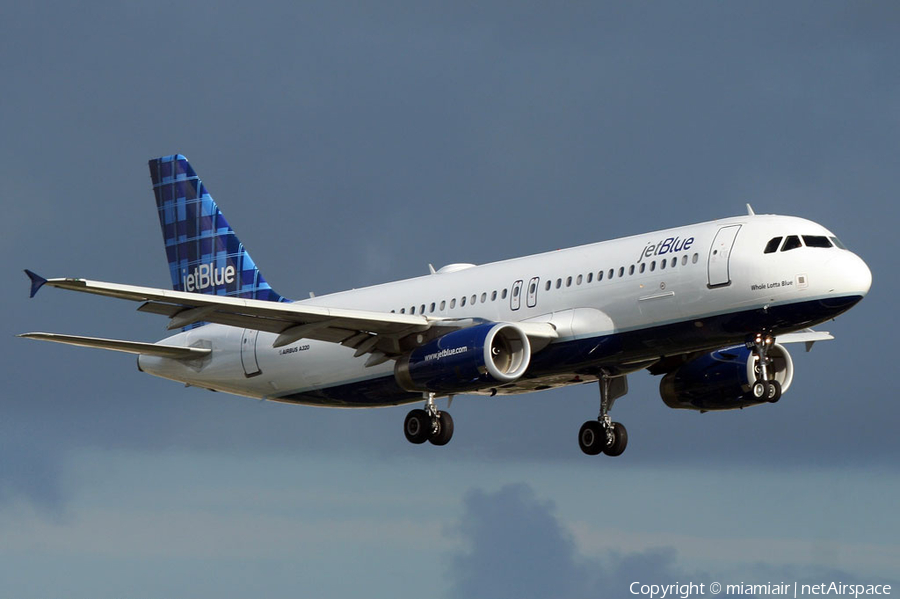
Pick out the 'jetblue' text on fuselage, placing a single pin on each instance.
(668, 246)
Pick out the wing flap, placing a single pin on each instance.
(130, 347)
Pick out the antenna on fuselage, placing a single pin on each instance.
(750, 210)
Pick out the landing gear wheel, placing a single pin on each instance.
(760, 390)
(445, 430)
(620, 441)
(417, 426)
(591, 438)
(774, 391)
(603, 435)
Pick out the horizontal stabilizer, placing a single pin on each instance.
(132, 347)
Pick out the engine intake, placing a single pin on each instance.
(466, 360)
(721, 380)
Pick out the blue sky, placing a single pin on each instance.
(351, 144)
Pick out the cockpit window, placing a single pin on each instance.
(791, 243)
(816, 241)
(773, 244)
(837, 242)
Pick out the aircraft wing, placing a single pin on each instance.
(382, 334)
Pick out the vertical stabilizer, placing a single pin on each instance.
(204, 254)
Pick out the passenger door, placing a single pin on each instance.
(720, 255)
(248, 353)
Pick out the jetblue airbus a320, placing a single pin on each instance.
(702, 305)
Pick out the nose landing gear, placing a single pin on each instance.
(763, 388)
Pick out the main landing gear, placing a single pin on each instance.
(429, 424)
(764, 388)
(603, 435)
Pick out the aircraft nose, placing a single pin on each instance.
(851, 274)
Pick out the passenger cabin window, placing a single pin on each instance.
(772, 246)
(816, 241)
(791, 243)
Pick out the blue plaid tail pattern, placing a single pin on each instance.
(204, 254)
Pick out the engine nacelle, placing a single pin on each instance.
(469, 359)
(721, 380)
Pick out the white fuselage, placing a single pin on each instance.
(620, 304)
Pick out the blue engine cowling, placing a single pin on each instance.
(469, 359)
(721, 380)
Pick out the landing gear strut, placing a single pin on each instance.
(429, 424)
(763, 388)
(603, 435)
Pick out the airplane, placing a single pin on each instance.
(708, 306)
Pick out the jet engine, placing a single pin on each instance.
(473, 358)
(722, 380)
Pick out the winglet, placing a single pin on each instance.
(37, 281)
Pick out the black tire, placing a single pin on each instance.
(620, 441)
(591, 438)
(445, 430)
(774, 391)
(417, 426)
